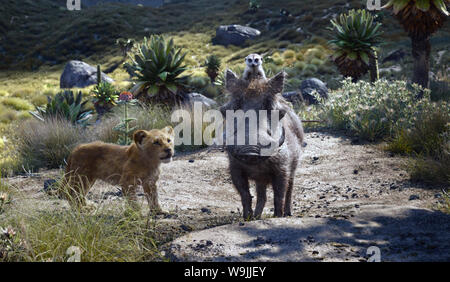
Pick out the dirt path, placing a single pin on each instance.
(336, 180)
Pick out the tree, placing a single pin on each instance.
(420, 19)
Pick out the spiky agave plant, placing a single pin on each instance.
(420, 19)
(213, 63)
(65, 105)
(355, 36)
(156, 68)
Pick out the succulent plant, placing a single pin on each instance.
(125, 45)
(104, 94)
(65, 105)
(156, 68)
(213, 64)
(355, 36)
(253, 5)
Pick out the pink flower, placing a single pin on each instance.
(125, 96)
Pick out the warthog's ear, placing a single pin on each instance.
(139, 136)
(276, 83)
(168, 130)
(231, 80)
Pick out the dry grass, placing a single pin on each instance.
(105, 233)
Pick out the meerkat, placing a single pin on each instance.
(253, 68)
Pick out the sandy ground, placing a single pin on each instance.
(335, 180)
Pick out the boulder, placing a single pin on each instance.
(80, 74)
(311, 84)
(234, 34)
(395, 56)
(191, 98)
(295, 97)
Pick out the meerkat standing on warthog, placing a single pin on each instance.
(246, 161)
(253, 68)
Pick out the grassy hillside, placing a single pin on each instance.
(44, 32)
(39, 37)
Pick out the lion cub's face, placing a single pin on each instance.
(157, 143)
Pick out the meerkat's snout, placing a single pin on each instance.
(254, 62)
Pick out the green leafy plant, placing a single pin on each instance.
(124, 128)
(65, 105)
(355, 36)
(156, 68)
(213, 64)
(125, 45)
(253, 5)
(420, 19)
(373, 111)
(428, 142)
(104, 97)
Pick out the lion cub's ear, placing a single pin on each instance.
(139, 136)
(168, 130)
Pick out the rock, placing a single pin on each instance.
(295, 239)
(294, 97)
(191, 98)
(206, 210)
(234, 34)
(414, 197)
(80, 74)
(310, 84)
(186, 227)
(49, 185)
(395, 56)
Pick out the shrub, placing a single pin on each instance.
(253, 5)
(65, 106)
(156, 67)
(47, 144)
(373, 111)
(104, 96)
(198, 82)
(39, 100)
(300, 65)
(102, 235)
(211, 91)
(16, 103)
(7, 114)
(428, 141)
(289, 54)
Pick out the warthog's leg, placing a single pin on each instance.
(279, 184)
(288, 199)
(261, 189)
(240, 181)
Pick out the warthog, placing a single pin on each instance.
(247, 161)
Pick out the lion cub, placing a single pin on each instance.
(127, 166)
